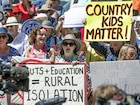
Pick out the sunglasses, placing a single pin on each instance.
(9, 26)
(70, 44)
(132, 55)
(3, 37)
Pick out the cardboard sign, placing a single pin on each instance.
(52, 80)
(74, 17)
(108, 21)
(124, 74)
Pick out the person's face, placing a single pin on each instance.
(3, 39)
(18, 16)
(68, 47)
(131, 54)
(41, 36)
(116, 45)
(65, 31)
(12, 29)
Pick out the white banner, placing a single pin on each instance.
(124, 74)
(52, 80)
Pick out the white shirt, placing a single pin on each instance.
(20, 43)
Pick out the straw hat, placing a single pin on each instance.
(12, 21)
(71, 37)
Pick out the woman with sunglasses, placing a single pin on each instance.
(69, 47)
(127, 52)
(6, 52)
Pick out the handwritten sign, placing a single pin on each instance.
(52, 80)
(108, 21)
(124, 74)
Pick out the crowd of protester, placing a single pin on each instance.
(57, 44)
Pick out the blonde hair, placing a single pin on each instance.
(124, 49)
(105, 91)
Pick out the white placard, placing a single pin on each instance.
(50, 80)
(124, 74)
(74, 17)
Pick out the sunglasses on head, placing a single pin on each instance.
(70, 44)
(3, 36)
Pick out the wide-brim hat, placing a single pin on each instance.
(41, 15)
(12, 21)
(45, 8)
(47, 24)
(71, 37)
(4, 31)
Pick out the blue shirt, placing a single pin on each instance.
(12, 52)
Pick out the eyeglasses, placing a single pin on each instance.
(132, 55)
(9, 26)
(17, 13)
(70, 44)
(3, 37)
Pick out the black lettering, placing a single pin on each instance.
(60, 81)
(88, 32)
(41, 95)
(56, 93)
(98, 33)
(123, 8)
(67, 81)
(119, 32)
(114, 33)
(109, 29)
(105, 21)
(41, 70)
(28, 99)
(63, 91)
(70, 95)
(73, 84)
(126, 32)
(113, 21)
(103, 10)
(52, 70)
(120, 23)
(129, 8)
(117, 9)
(34, 98)
(88, 8)
(97, 10)
(47, 81)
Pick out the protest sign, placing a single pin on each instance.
(3, 99)
(52, 80)
(124, 74)
(108, 21)
(74, 17)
